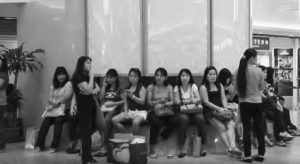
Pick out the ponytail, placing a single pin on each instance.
(241, 75)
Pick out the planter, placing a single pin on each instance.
(14, 130)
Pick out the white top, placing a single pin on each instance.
(189, 93)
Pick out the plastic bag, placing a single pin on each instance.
(31, 136)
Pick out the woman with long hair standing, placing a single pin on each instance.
(250, 82)
(3, 102)
(84, 89)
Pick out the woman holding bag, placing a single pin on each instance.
(188, 98)
(161, 100)
(59, 101)
(84, 89)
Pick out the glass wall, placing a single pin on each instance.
(114, 35)
(231, 32)
(177, 35)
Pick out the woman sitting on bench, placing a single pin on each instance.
(215, 103)
(188, 98)
(135, 101)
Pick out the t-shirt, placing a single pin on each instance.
(84, 102)
(113, 95)
(187, 94)
(158, 94)
(255, 83)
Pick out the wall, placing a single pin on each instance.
(8, 10)
(58, 27)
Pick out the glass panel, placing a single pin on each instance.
(114, 34)
(177, 35)
(231, 32)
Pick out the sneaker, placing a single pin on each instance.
(153, 155)
(285, 135)
(268, 142)
(281, 143)
(52, 150)
(37, 149)
(258, 158)
(170, 156)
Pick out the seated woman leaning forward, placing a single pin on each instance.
(59, 101)
(214, 103)
(134, 108)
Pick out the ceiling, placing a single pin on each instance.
(282, 16)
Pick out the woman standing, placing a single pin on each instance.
(3, 102)
(58, 103)
(84, 88)
(250, 82)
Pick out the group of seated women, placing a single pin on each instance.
(159, 103)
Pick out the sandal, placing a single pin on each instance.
(203, 153)
(181, 155)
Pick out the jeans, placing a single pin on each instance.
(2, 126)
(252, 111)
(58, 127)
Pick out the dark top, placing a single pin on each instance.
(133, 105)
(215, 98)
(84, 102)
(114, 95)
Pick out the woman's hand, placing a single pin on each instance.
(129, 94)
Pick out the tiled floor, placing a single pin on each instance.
(15, 154)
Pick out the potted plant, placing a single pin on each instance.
(18, 61)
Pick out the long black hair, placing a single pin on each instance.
(224, 74)
(179, 83)
(79, 70)
(270, 72)
(205, 82)
(164, 72)
(4, 72)
(241, 75)
(113, 73)
(138, 73)
(4, 67)
(59, 71)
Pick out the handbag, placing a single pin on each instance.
(164, 111)
(31, 136)
(189, 108)
(194, 146)
(224, 115)
(51, 111)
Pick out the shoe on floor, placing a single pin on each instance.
(235, 151)
(246, 160)
(153, 155)
(258, 158)
(281, 143)
(52, 150)
(181, 155)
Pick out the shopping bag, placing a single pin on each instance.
(195, 146)
(31, 136)
(138, 150)
(118, 150)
